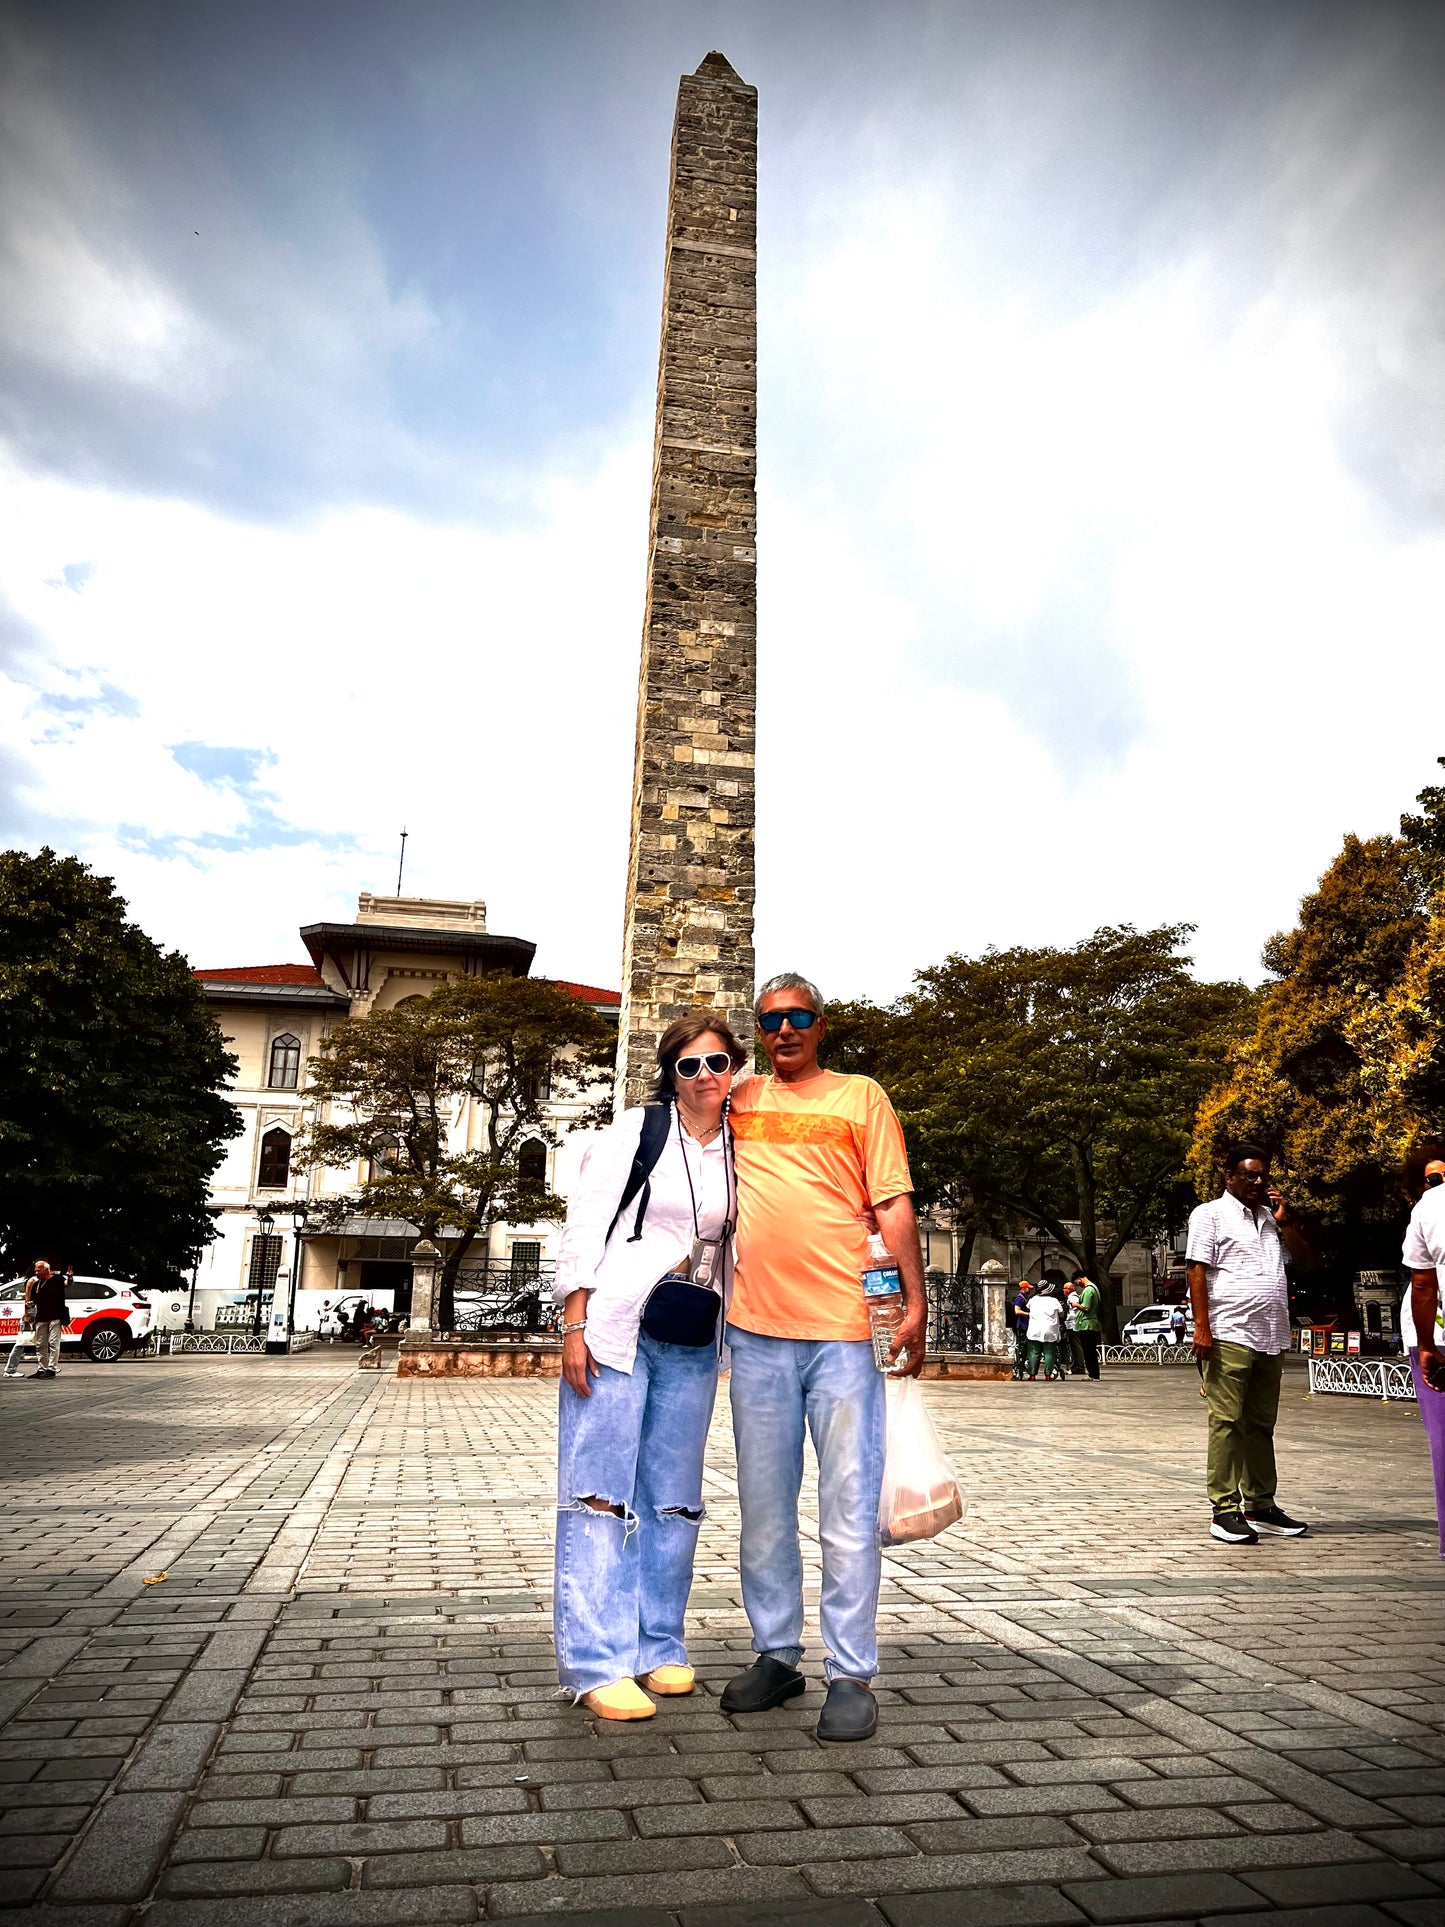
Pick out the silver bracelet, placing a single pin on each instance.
(580, 1326)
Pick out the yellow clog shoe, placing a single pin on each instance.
(669, 1680)
(624, 1699)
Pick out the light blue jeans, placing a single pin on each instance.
(622, 1583)
(833, 1387)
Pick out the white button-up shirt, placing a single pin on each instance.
(1425, 1251)
(620, 1274)
(1244, 1260)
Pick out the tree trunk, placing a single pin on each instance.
(447, 1282)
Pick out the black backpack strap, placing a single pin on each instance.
(656, 1122)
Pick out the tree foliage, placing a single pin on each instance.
(401, 1085)
(111, 1117)
(1055, 1087)
(1344, 1068)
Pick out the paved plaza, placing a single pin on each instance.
(339, 1705)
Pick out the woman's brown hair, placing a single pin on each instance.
(674, 1041)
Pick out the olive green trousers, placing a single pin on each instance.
(1241, 1389)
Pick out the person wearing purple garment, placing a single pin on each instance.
(1421, 1327)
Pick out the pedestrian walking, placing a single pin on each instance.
(1020, 1317)
(641, 1274)
(1046, 1328)
(816, 1151)
(1239, 1245)
(1421, 1326)
(1084, 1298)
(1178, 1325)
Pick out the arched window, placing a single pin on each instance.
(285, 1062)
(532, 1162)
(275, 1159)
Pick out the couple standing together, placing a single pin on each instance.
(763, 1192)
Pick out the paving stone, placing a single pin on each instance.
(361, 1836)
(951, 1870)
(732, 1887)
(716, 1816)
(644, 1856)
(219, 1843)
(315, 1910)
(962, 1835)
(1409, 1843)
(1040, 1799)
(546, 1829)
(887, 1808)
(172, 1758)
(984, 1907)
(1234, 1854)
(1161, 1897)
(119, 1857)
(479, 1864)
(213, 1879)
(831, 1843)
(615, 1793)
(1302, 1886)
(783, 1913)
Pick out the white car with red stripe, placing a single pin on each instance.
(107, 1316)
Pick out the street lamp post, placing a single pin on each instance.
(283, 1327)
(264, 1222)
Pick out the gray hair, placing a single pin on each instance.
(789, 980)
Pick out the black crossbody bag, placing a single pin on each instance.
(682, 1308)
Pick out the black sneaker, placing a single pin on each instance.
(1234, 1529)
(766, 1683)
(1269, 1518)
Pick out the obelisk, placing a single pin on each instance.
(690, 886)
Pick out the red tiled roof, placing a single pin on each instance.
(292, 973)
(589, 993)
(265, 974)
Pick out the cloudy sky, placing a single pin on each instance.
(1102, 461)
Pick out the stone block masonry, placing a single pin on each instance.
(688, 939)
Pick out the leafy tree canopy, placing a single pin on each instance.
(1054, 1087)
(1344, 1068)
(402, 1085)
(111, 1117)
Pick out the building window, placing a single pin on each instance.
(275, 1160)
(532, 1162)
(526, 1260)
(386, 1161)
(285, 1062)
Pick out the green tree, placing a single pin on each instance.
(401, 1083)
(111, 1117)
(1057, 1087)
(1318, 1080)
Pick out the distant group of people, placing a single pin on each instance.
(1057, 1320)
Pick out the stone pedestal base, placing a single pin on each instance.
(966, 1365)
(423, 1355)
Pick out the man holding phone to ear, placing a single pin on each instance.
(1424, 1254)
(1239, 1245)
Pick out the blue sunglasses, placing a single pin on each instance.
(772, 1021)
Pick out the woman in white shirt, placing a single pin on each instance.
(1046, 1325)
(641, 1280)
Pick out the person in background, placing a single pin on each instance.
(46, 1309)
(1084, 1298)
(1046, 1328)
(816, 1151)
(1178, 1325)
(637, 1385)
(1239, 1244)
(1421, 1325)
(1021, 1327)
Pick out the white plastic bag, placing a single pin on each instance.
(920, 1495)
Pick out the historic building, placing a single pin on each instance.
(274, 1017)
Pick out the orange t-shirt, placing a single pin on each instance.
(810, 1156)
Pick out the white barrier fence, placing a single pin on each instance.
(176, 1344)
(1145, 1355)
(1383, 1378)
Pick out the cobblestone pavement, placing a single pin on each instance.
(338, 1705)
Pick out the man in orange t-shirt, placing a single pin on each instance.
(816, 1153)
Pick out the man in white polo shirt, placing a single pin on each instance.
(1239, 1244)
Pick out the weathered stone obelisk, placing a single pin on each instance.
(690, 887)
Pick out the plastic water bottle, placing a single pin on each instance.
(883, 1295)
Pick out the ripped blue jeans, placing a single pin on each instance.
(622, 1582)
